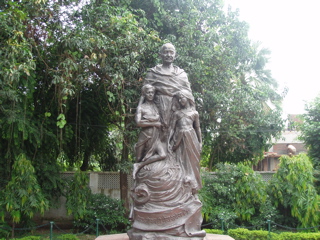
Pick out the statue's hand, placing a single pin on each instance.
(174, 147)
(157, 124)
(153, 118)
(147, 167)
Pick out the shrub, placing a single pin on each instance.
(110, 212)
(30, 238)
(68, 237)
(245, 234)
(214, 231)
(239, 233)
(77, 195)
(4, 230)
(293, 192)
(236, 194)
(22, 196)
(298, 236)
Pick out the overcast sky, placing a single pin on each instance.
(290, 29)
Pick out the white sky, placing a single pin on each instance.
(291, 30)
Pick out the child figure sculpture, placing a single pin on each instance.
(148, 148)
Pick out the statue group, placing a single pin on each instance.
(165, 203)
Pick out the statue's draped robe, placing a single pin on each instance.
(166, 86)
(162, 194)
(189, 150)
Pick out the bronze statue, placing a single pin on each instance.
(168, 79)
(149, 147)
(186, 139)
(166, 172)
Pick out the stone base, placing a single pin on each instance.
(124, 236)
(162, 236)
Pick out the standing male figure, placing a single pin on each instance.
(167, 79)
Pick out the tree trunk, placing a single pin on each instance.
(12, 231)
(123, 174)
(211, 159)
(124, 189)
(85, 162)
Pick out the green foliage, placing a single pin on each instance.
(228, 74)
(50, 181)
(213, 231)
(110, 212)
(245, 234)
(100, 60)
(4, 231)
(293, 192)
(236, 194)
(298, 236)
(310, 130)
(68, 237)
(77, 194)
(70, 78)
(30, 238)
(17, 82)
(22, 195)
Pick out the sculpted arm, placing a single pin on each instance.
(141, 118)
(172, 144)
(197, 128)
(138, 116)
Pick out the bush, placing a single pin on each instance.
(299, 236)
(22, 196)
(236, 194)
(245, 234)
(4, 230)
(214, 231)
(68, 237)
(30, 238)
(77, 193)
(239, 233)
(110, 212)
(293, 192)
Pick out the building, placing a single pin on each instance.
(270, 161)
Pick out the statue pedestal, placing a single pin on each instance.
(124, 236)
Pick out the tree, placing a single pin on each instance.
(235, 93)
(310, 134)
(97, 76)
(293, 193)
(71, 75)
(17, 83)
(70, 80)
(75, 71)
(22, 196)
